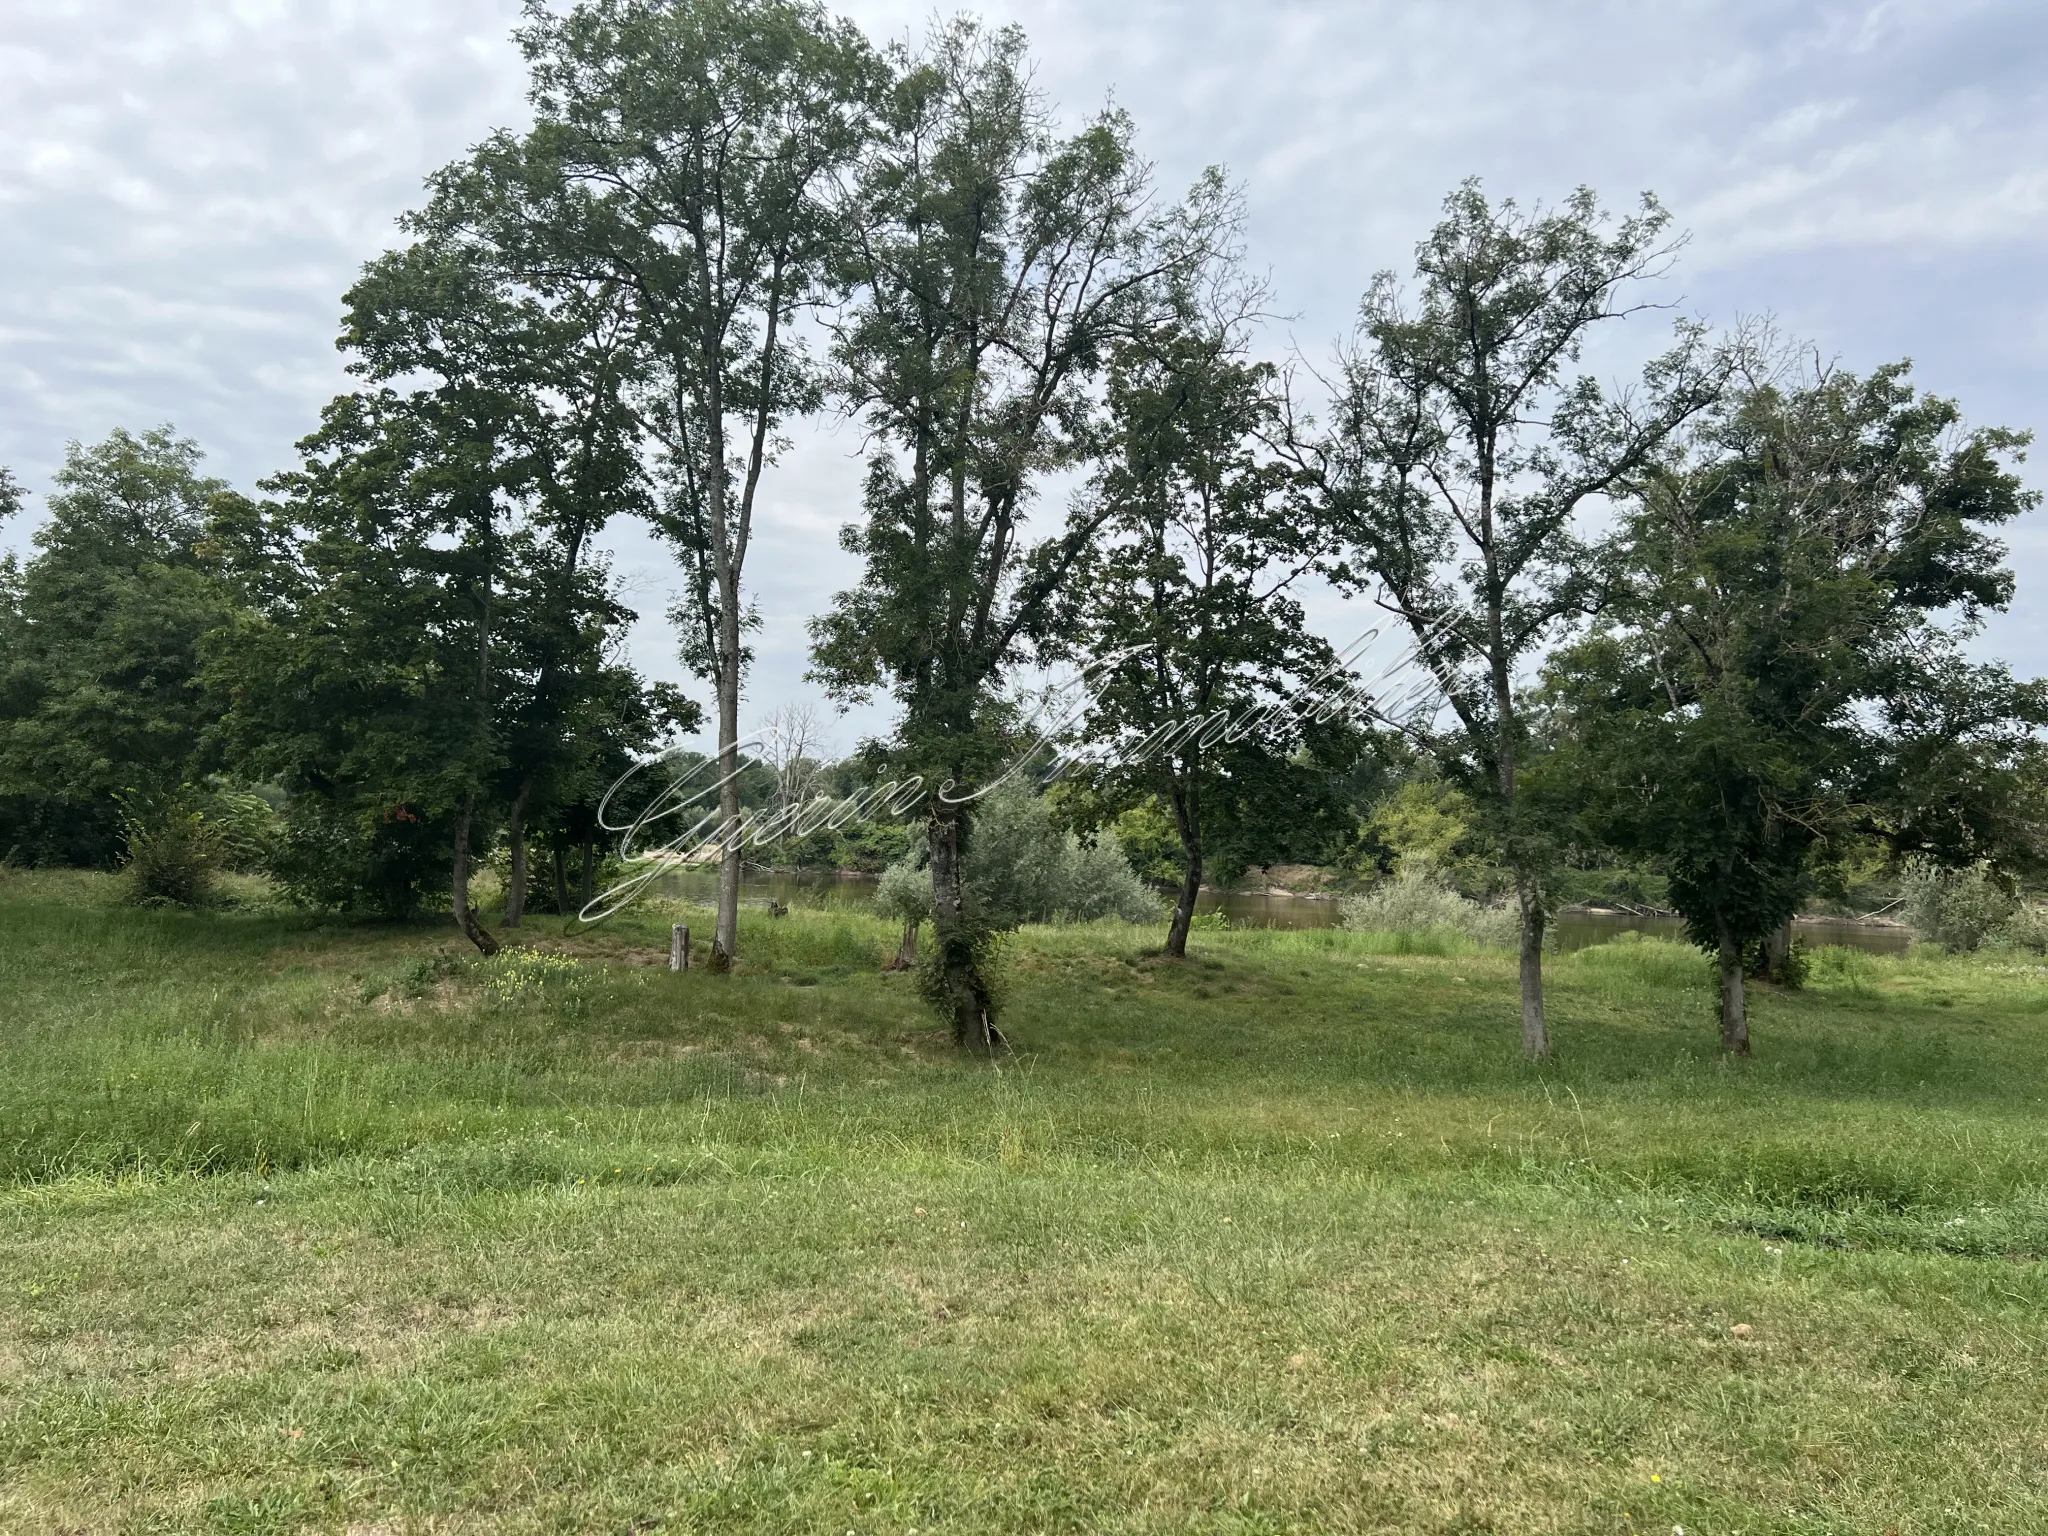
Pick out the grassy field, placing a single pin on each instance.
(311, 1226)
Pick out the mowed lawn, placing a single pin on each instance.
(323, 1227)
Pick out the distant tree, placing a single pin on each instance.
(678, 157)
(791, 739)
(1203, 698)
(1458, 455)
(1770, 680)
(100, 690)
(904, 893)
(994, 266)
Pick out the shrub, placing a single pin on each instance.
(382, 863)
(905, 890)
(1022, 868)
(249, 828)
(1417, 900)
(1956, 908)
(174, 852)
(2026, 929)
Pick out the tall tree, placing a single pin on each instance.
(542, 373)
(995, 263)
(1202, 700)
(360, 674)
(100, 688)
(1771, 678)
(1458, 455)
(678, 155)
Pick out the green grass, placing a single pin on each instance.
(314, 1226)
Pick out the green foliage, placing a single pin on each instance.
(1424, 820)
(971, 949)
(1419, 900)
(904, 893)
(1959, 909)
(384, 861)
(177, 843)
(1211, 697)
(2025, 930)
(866, 848)
(100, 638)
(972, 350)
(1022, 867)
(1458, 454)
(173, 849)
(1428, 824)
(1772, 687)
(1625, 886)
(1791, 969)
(1147, 836)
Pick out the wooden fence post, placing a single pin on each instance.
(679, 947)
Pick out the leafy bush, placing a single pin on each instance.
(247, 825)
(2026, 929)
(905, 890)
(1956, 908)
(1418, 900)
(1022, 868)
(383, 863)
(174, 851)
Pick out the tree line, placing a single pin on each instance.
(1712, 619)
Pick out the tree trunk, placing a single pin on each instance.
(465, 914)
(1777, 950)
(561, 883)
(968, 1005)
(725, 936)
(1184, 905)
(589, 887)
(1535, 1032)
(515, 885)
(906, 952)
(1734, 1013)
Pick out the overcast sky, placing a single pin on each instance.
(186, 186)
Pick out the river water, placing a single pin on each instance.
(1251, 909)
